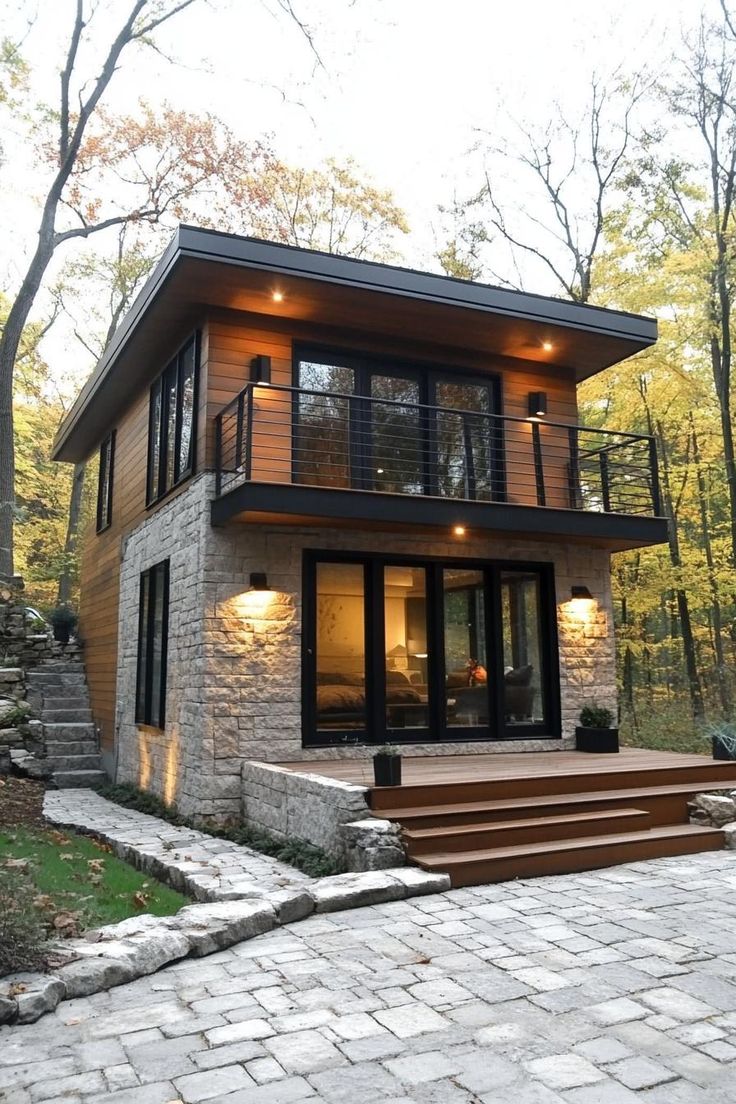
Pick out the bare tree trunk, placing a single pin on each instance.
(72, 533)
(717, 620)
(683, 607)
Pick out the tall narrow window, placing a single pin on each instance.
(150, 705)
(340, 646)
(172, 423)
(104, 483)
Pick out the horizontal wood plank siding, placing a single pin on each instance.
(101, 554)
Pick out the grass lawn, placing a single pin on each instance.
(79, 883)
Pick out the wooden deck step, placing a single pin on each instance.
(567, 856)
(507, 833)
(698, 774)
(660, 801)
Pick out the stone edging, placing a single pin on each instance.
(717, 810)
(140, 945)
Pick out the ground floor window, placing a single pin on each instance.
(421, 650)
(150, 705)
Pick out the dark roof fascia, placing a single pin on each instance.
(287, 260)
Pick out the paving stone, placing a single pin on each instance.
(429, 1065)
(620, 1010)
(603, 1092)
(408, 1020)
(640, 1073)
(304, 1052)
(215, 1082)
(602, 1050)
(678, 1005)
(565, 1071)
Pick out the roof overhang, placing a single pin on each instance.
(203, 270)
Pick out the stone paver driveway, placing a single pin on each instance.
(604, 988)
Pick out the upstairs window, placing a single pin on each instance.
(153, 631)
(172, 429)
(104, 483)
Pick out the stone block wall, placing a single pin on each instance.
(177, 763)
(301, 806)
(253, 641)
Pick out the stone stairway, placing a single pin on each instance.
(57, 690)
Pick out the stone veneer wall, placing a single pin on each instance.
(234, 689)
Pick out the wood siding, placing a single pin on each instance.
(101, 555)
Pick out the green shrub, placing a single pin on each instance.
(596, 716)
(311, 860)
(15, 715)
(22, 932)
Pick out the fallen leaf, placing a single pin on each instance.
(140, 900)
(67, 856)
(43, 901)
(96, 865)
(66, 923)
(16, 988)
(60, 838)
(95, 879)
(16, 864)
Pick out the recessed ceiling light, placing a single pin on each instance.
(278, 296)
(458, 530)
(547, 346)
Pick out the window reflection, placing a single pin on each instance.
(322, 449)
(406, 638)
(466, 664)
(396, 438)
(340, 689)
(523, 701)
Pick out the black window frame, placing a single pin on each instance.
(437, 729)
(106, 471)
(427, 375)
(158, 484)
(153, 577)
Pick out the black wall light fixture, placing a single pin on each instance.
(260, 370)
(258, 581)
(537, 404)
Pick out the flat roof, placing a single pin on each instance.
(203, 270)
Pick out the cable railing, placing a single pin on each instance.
(279, 434)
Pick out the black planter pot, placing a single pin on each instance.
(387, 769)
(62, 633)
(720, 750)
(600, 740)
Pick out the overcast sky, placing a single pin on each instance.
(405, 86)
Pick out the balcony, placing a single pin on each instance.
(294, 454)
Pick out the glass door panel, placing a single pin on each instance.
(406, 647)
(524, 677)
(322, 447)
(340, 647)
(396, 440)
(466, 662)
(464, 440)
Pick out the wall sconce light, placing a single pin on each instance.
(581, 594)
(260, 370)
(537, 404)
(258, 581)
(582, 602)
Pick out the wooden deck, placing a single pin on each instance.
(493, 817)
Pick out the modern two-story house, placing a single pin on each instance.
(342, 503)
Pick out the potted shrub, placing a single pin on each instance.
(387, 766)
(596, 732)
(723, 740)
(63, 621)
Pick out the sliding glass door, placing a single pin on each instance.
(409, 650)
(369, 425)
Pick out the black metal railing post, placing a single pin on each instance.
(538, 465)
(654, 469)
(239, 431)
(605, 482)
(218, 454)
(248, 434)
(574, 469)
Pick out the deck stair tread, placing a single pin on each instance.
(514, 804)
(550, 822)
(569, 856)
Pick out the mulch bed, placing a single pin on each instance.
(21, 803)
